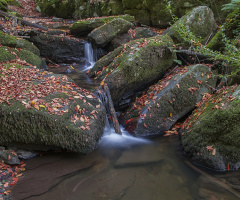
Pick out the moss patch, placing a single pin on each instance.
(12, 41)
(215, 123)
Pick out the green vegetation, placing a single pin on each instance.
(226, 39)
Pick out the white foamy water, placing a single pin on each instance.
(89, 54)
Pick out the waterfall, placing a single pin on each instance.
(89, 55)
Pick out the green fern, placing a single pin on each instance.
(232, 5)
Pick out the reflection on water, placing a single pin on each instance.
(78, 73)
(121, 168)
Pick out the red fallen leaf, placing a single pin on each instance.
(191, 89)
(71, 98)
(210, 148)
(9, 157)
(216, 106)
(10, 170)
(227, 168)
(128, 121)
(82, 127)
(200, 82)
(145, 125)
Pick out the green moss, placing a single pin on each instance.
(29, 57)
(84, 27)
(4, 5)
(143, 16)
(5, 55)
(8, 54)
(216, 127)
(14, 42)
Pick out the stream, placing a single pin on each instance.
(123, 167)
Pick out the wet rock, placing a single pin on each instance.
(134, 66)
(200, 21)
(84, 27)
(59, 49)
(9, 157)
(61, 115)
(24, 154)
(169, 100)
(55, 19)
(106, 33)
(211, 134)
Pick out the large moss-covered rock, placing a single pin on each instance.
(167, 101)
(212, 134)
(230, 30)
(200, 21)
(83, 27)
(132, 34)
(12, 41)
(58, 8)
(134, 65)
(42, 111)
(59, 48)
(112, 7)
(154, 12)
(106, 33)
(8, 54)
(4, 5)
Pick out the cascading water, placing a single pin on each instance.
(110, 137)
(90, 55)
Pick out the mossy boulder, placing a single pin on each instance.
(45, 111)
(212, 133)
(132, 34)
(58, 8)
(231, 31)
(83, 27)
(112, 7)
(12, 41)
(134, 66)
(59, 48)
(106, 33)
(142, 16)
(154, 12)
(4, 5)
(7, 54)
(200, 21)
(168, 100)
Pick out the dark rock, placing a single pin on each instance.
(169, 100)
(24, 154)
(9, 157)
(59, 49)
(55, 19)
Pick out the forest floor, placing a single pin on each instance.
(10, 174)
